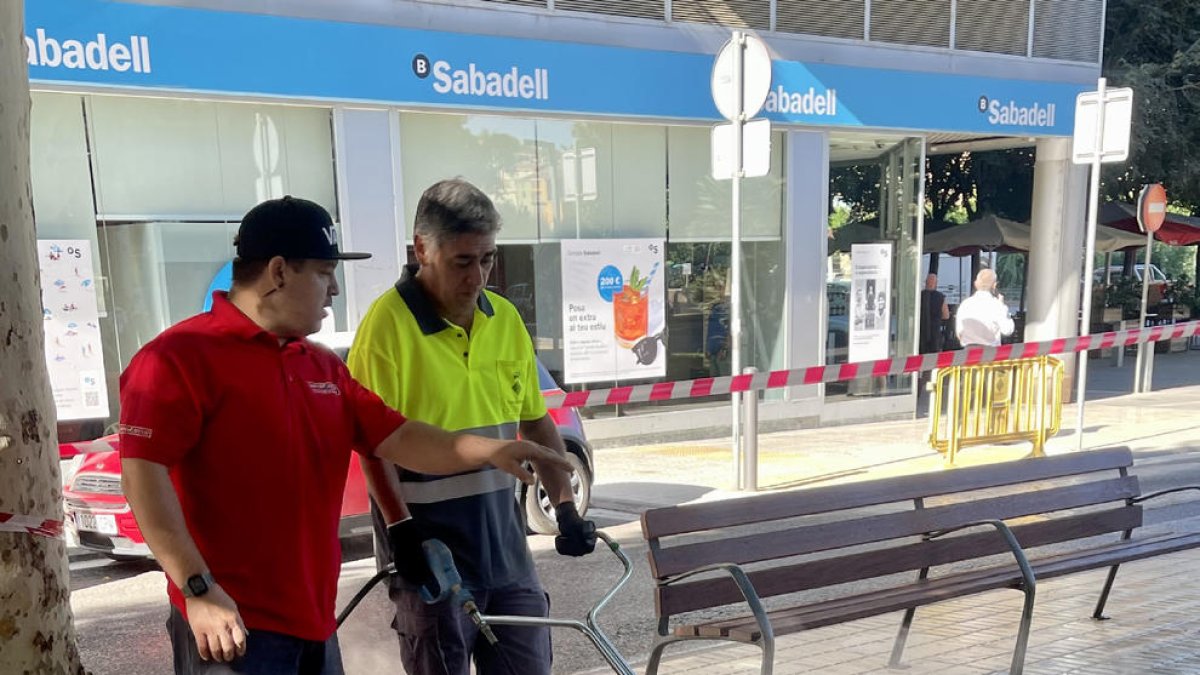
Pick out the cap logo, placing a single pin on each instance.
(330, 235)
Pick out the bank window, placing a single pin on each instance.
(161, 159)
(497, 154)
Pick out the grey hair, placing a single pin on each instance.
(453, 207)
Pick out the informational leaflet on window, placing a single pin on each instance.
(614, 325)
(870, 296)
(74, 354)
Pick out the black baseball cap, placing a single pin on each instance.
(291, 227)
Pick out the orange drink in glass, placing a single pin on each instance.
(631, 316)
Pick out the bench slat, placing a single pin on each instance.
(864, 605)
(916, 594)
(666, 562)
(675, 520)
(690, 596)
(1130, 551)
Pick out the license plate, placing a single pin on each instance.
(97, 522)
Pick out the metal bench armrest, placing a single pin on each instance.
(744, 586)
(1139, 500)
(1009, 538)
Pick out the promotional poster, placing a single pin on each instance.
(614, 325)
(870, 295)
(74, 354)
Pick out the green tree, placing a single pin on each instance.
(950, 186)
(1154, 47)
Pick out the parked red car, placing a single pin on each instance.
(99, 518)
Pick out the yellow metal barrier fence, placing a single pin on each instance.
(999, 402)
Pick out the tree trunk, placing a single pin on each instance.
(36, 633)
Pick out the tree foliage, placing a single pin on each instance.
(1154, 47)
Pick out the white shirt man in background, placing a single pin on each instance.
(982, 318)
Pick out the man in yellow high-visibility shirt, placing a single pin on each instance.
(448, 352)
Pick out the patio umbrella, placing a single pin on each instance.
(992, 233)
(1111, 239)
(1177, 230)
(989, 233)
(867, 231)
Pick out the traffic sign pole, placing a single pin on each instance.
(1089, 264)
(1141, 383)
(1152, 211)
(741, 79)
(735, 263)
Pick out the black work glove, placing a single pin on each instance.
(576, 536)
(405, 539)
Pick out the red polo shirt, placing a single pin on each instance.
(257, 437)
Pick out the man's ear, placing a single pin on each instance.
(275, 271)
(421, 248)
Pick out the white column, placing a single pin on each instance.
(805, 233)
(370, 202)
(1056, 252)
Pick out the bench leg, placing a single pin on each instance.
(768, 657)
(906, 624)
(1018, 660)
(1098, 615)
(656, 655)
(901, 638)
(1108, 584)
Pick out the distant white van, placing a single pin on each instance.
(1157, 276)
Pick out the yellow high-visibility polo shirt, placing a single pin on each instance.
(485, 382)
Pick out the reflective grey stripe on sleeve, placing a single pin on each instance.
(457, 487)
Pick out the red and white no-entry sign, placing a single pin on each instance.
(1152, 207)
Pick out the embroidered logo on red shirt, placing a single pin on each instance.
(327, 388)
(131, 430)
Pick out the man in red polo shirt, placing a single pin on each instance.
(236, 434)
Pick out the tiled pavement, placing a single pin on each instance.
(1154, 628)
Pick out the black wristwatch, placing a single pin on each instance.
(197, 585)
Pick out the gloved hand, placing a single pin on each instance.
(576, 536)
(405, 539)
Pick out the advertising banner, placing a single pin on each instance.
(74, 354)
(614, 323)
(870, 297)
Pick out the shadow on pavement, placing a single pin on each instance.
(635, 497)
(103, 571)
(839, 475)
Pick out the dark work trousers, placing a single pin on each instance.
(441, 639)
(267, 653)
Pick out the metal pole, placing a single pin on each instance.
(1140, 384)
(735, 263)
(1089, 245)
(577, 188)
(1148, 378)
(750, 437)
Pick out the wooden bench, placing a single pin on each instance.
(714, 555)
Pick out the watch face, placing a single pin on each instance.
(197, 585)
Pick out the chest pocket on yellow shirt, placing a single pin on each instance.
(511, 384)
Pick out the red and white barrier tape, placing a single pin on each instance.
(44, 527)
(714, 386)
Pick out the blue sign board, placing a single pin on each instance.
(125, 45)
